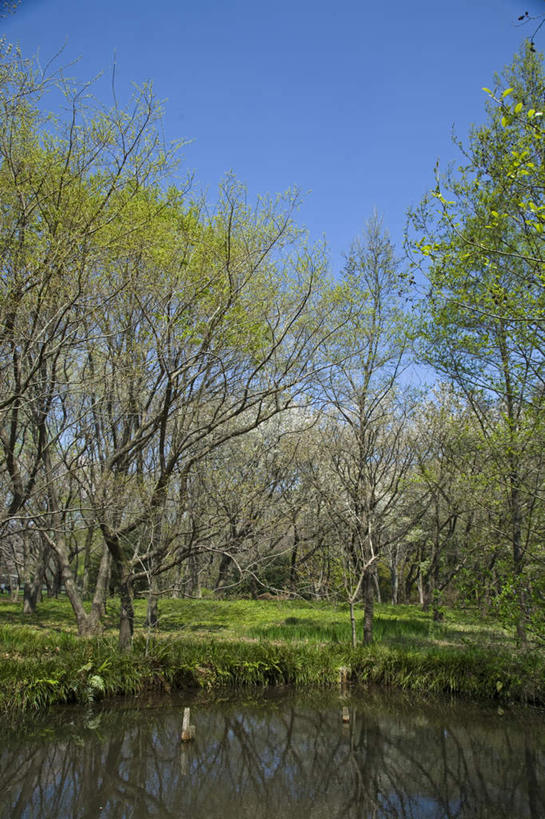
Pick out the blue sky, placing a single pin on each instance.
(351, 101)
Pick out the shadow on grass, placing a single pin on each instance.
(197, 627)
(51, 613)
(172, 624)
(390, 630)
(301, 628)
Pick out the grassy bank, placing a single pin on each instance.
(208, 643)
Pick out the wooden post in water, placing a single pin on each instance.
(188, 731)
(345, 714)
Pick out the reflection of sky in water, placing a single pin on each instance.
(278, 756)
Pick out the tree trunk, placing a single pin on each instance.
(86, 563)
(29, 604)
(194, 577)
(353, 623)
(377, 584)
(514, 490)
(410, 578)
(85, 628)
(421, 596)
(225, 564)
(394, 581)
(98, 606)
(14, 586)
(89, 625)
(437, 614)
(126, 617)
(56, 582)
(293, 560)
(32, 590)
(425, 595)
(152, 615)
(368, 607)
(518, 562)
(29, 601)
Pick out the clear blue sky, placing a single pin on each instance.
(351, 101)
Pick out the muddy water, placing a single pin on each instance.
(277, 755)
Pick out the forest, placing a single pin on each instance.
(193, 404)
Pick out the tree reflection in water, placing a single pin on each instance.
(278, 755)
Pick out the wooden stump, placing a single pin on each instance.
(188, 731)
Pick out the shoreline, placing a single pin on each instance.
(63, 669)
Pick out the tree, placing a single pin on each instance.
(449, 469)
(64, 186)
(139, 332)
(481, 235)
(366, 456)
(222, 342)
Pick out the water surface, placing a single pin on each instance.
(278, 754)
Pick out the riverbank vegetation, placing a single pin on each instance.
(192, 403)
(214, 644)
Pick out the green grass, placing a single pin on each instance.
(284, 620)
(211, 643)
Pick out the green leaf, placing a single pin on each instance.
(518, 108)
(506, 92)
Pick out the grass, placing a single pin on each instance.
(211, 643)
(285, 620)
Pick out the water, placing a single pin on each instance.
(278, 755)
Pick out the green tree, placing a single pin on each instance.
(480, 235)
(139, 332)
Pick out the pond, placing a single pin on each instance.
(277, 754)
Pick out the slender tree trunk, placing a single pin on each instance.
(426, 593)
(394, 578)
(56, 582)
(32, 590)
(126, 618)
(194, 577)
(72, 591)
(126, 614)
(518, 562)
(437, 614)
(353, 623)
(225, 563)
(411, 578)
(368, 607)
(98, 606)
(87, 563)
(293, 561)
(14, 586)
(37, 583)
(421, 597)
(377, 584)
(515, 494)
(152, 615)
(29, 604)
